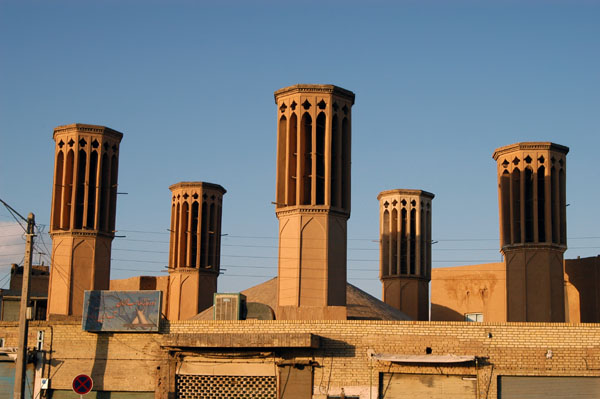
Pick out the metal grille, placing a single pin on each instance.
(226, 387)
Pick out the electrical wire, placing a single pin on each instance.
(45, 254)
(3, 280)
(274, 237)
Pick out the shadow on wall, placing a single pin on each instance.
(443, 313)
(342, 348)
(584, 275)
(99, 367)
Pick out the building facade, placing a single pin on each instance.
(306, 359)
(535, 282)
(313, 335)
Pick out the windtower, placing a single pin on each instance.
(195, 247)
(313, 199)
(82, 221)
(533, 230)
(405, 244)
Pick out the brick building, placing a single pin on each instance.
(317, 359)
(307, 333)
(10, 299)
(534, 282)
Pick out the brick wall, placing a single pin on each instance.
(513, 349)
(133, 361)
(116, 362)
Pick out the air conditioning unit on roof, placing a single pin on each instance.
(229, 306)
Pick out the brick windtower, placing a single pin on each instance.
(195, 249)
(313, 199)
(405, 244)
(533, 231)
(82, 221)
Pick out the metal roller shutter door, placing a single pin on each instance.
(548, 387)
(427, 386)
(7, 380)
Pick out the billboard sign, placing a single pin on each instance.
(121, 311)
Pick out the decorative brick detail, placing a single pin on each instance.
(265, 340)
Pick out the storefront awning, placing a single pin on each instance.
(387, 357)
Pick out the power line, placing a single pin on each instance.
(140, 250)
(349, 239)
(143, 231)
(275, 237)
(3, 279)
(137, 261)
(14, 214)
(12, 254)
(349, 249)
(152, 241)
(441, 240)
(296, 258)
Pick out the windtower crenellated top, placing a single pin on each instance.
(529, 145)
(313, 147)
(87, 128)
(85, 179)
(406, 191)
(198, 185)
(532, 195)
(315, 88)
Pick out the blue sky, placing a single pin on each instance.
(439, 85)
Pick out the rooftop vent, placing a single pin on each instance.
(229, 306)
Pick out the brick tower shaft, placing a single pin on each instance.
(533, 231)
(195, 247)
(405, 244)
(82, 225)
(313, 199)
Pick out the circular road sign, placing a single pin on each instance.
(82, 384)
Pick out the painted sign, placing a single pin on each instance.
(82, 384)
(125, 311)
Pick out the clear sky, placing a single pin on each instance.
(439, 85)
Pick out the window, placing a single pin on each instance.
(477, 317)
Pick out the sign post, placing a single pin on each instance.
(82, 384)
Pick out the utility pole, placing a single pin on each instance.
(21, 363)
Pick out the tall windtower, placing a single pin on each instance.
(313, 199)
(405, 244)
(82, 221)
(533, 228)
(195, 249)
